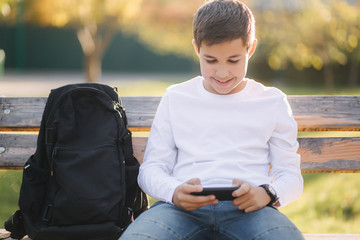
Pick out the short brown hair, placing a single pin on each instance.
(218, 21)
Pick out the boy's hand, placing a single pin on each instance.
(249, 198)
(184, 200)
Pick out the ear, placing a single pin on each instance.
(252, 48)
(195, 47)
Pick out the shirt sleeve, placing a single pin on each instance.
(155, 175)
(285, 162)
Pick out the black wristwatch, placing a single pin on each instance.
(272, 194)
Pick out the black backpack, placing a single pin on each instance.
(81, 183)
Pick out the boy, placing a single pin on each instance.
(220, 130)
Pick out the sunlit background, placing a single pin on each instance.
(301, 42)
(143, 46)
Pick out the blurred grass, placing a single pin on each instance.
(330, 202)
(10, 182)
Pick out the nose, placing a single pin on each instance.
(222, 73)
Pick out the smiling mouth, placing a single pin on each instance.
(222, 82)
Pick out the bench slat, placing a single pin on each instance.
(318, 154)
(26, 112)
(326, 113)
(330, 154)
(21, 112)
(313, 113)
(16, 149)
(19, 147)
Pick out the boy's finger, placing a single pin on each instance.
(244, 188)
(203, 199)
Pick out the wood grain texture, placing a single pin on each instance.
(313, 113)
(21, 112)
(317, 154)
(317, 113)
(330, 154)
(17, 148)
(324, 113)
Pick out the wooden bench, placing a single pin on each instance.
(20, 120)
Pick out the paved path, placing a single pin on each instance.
(34, 84)
(15, 84)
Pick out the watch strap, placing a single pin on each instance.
(272, 194)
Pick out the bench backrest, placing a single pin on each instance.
(20, 120)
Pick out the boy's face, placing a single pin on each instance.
(224, 65)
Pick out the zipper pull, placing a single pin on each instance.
(119, 108)
(52, 169)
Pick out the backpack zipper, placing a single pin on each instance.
(97, 91)
(53, 155)
(118, 107)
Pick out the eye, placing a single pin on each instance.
(234, 61)
(211, 61)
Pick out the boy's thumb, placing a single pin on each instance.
(237, 182)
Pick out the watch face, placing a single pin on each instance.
(271, 190)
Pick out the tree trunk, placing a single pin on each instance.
(329, 79)
(94, 39)
(93, 67)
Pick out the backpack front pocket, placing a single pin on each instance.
(87, 191)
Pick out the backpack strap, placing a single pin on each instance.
(128, 149)
(136, 200)
(126, 139)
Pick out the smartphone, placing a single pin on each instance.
(221, 193)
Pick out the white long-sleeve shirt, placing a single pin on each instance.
(198, 134)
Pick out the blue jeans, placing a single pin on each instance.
(164, 221)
